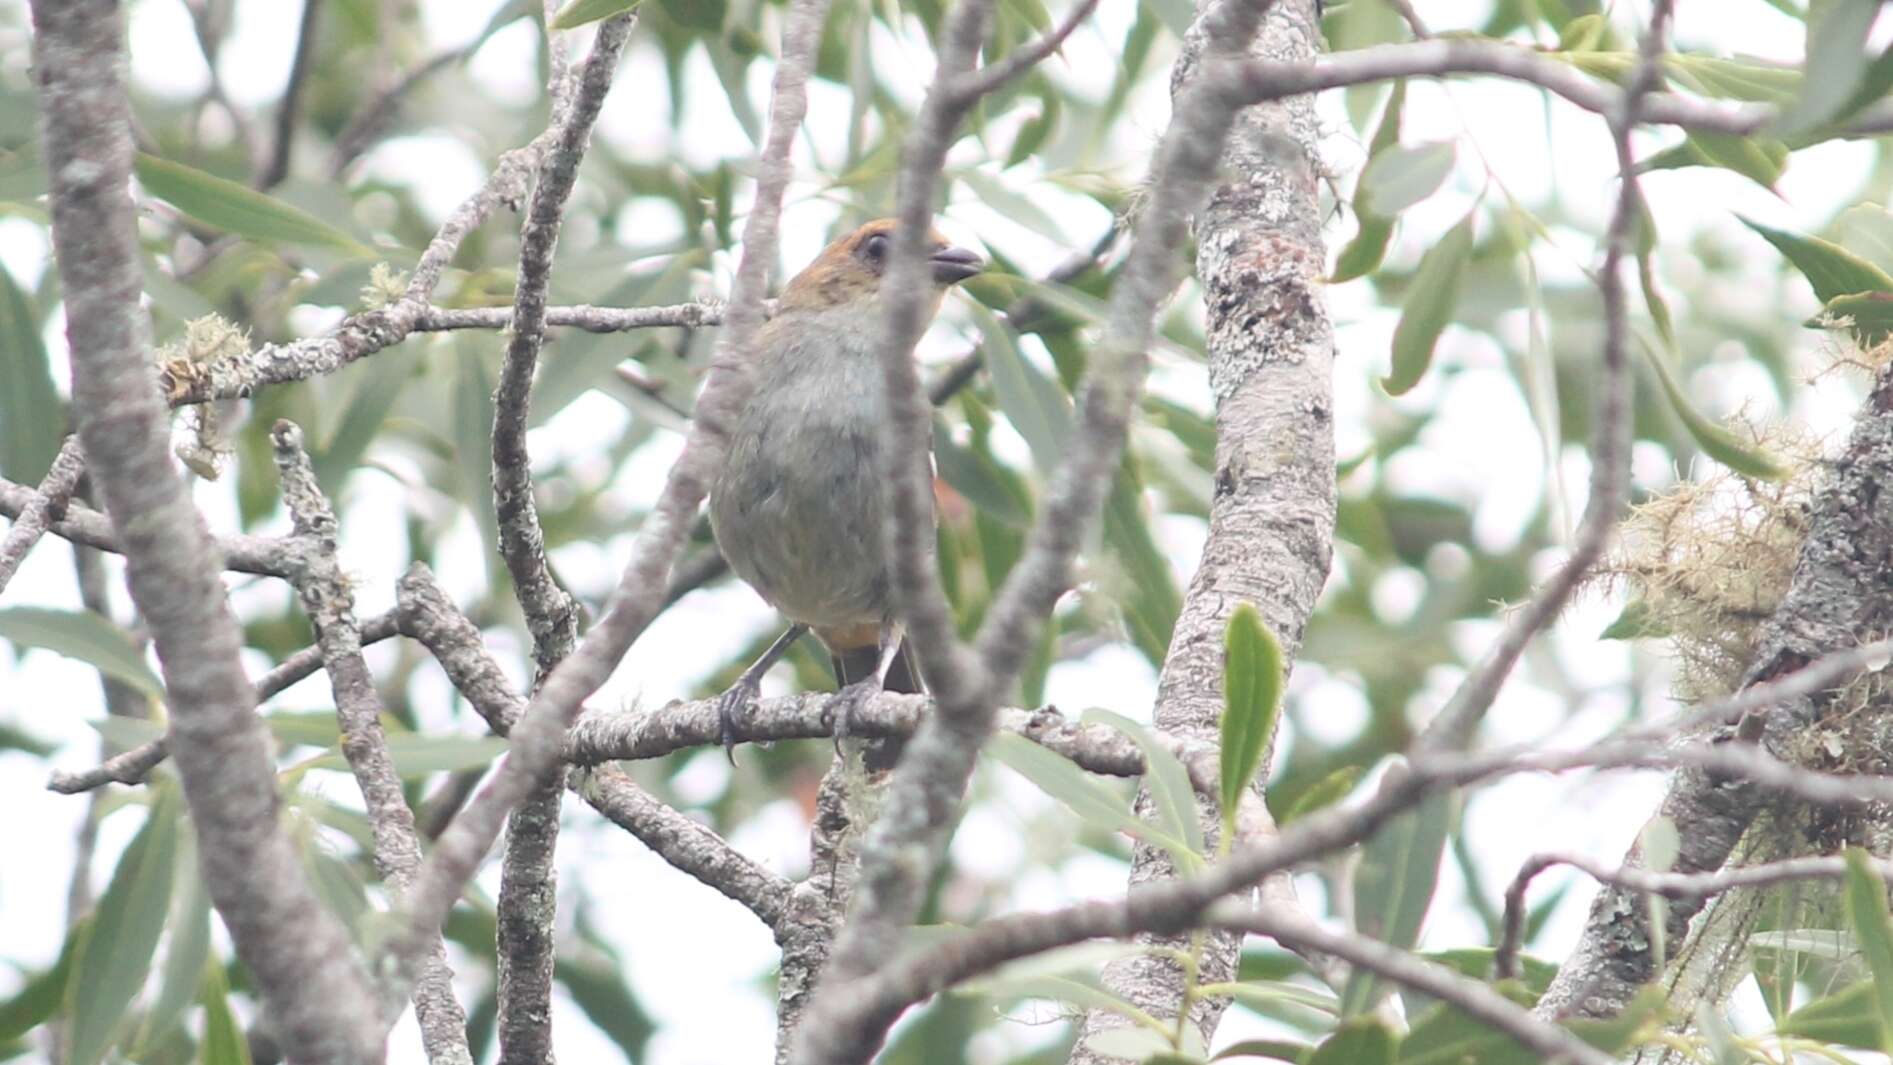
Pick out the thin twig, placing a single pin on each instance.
(330, 604)
(1477, 1000)
(994, 76)
(289, 111)
(428, 616)
(366, 127)
(1610, 441)
(244, 553)
(1666, 885)
(48, 504)
(135, 765)
(539, 738)
(931, 778)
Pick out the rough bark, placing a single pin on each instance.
(1260, 258)
(315, 991)
(1841, 594)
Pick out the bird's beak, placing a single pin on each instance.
(952, 265)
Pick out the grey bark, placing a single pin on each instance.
(1260, 258)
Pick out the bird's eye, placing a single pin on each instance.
(875, 247)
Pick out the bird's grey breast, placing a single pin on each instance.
(798, 506)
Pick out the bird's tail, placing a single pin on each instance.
(903, 677)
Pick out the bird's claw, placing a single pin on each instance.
(731, 708)
(844, 704)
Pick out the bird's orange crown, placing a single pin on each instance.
(850, 269)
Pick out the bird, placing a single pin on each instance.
(798, 504)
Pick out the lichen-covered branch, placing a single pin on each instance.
(1840, 591)
(330, 604)
(312, 986)
(1260, 259)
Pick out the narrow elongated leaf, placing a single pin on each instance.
(32, 419)
(237, 209)
(1428, 307)
(418, 754)
(1265, 1050)
(185, 954)
(1400, 177)
(83, 635)
(224, 1041)
(1393, 885)
(40, 998)
(579, 12)
(1364, 253)
(1095, 804)
(1035, 404)
(1850, 1017)
(1164, 775)
(1151, 602)
(1836, 59)
(1358, 1041)
(377, 386)
(1253, 675)
(1831, 269)
(1324, 793)
(112, 965)
(1867, 915)
(1716, 442)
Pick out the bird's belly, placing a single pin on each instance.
(799, 518)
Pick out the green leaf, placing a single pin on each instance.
(1400, 177)
(1831, 269)
(1867, 916)
(1635, 623)
(1164, 775)
(1760, 160)
(1323, 793)
(1253, 675)
(1358, 1041)
(1264, 994)
(1869, 316)
(1034, 132)
(113, 963)
(1850, 1017)
(1443, 1035)
(417, 754)
(1034, 403)
(377, 386)
(32, 416)
(706, 16)
(1151, 602)
(579, 12)
(1716, 442)
(1476, 963)
(1836, 59)
(1428, 307)
(1394, 882)
(238, 209)
(90, 638)
(33, 1004)
(1266, 1049)
(224, 1041)
(185, 955)
(1095, 804)
(1363, 254)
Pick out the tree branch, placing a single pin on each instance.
(326, 597)
(312, 986)
(46, 505)
(289, 111)
(1668, 885)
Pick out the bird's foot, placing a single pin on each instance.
(846, 703)
(731, 709)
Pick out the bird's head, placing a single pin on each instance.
(850, 269)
